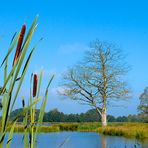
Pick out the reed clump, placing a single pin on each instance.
(13, 79)
(43, 129)
(46, 129)
(88, 126)
(68, 127)
(130, 130)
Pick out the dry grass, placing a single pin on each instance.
(131, 130)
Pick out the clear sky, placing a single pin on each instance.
(68, 26)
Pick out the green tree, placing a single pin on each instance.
(143, 107)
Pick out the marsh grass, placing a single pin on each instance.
(56, 127)
(14, 74)
(68, 127)
(130, 130)
(43, 129)
(81, 126)
(89, 126)
(32, 128)
(13, 77)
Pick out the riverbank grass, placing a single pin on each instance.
(130, 130)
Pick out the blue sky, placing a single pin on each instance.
(68, 26)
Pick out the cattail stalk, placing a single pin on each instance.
(19, 44)
(35, 82)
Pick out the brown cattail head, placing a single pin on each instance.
(19, 44)
(35, 82)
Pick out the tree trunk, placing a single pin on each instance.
(103, 117)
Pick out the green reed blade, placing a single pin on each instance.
(40, 81)
(42, 109)
(21, 78)
(10, 135)
(10, 49)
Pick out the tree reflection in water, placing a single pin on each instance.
(103, 141)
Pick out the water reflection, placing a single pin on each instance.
(103, 141)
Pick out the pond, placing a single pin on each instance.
(79, 140)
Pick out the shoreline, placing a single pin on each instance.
(137, 131)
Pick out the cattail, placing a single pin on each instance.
(35, 82)
(19, 44)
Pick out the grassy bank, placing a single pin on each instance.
(130, 130)
(56, 127)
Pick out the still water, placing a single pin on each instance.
(78, 140)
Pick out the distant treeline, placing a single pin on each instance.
(90, 116)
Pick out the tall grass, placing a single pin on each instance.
(14, 73)
(130, 130)
(31, 127)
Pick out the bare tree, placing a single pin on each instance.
(98, 78)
